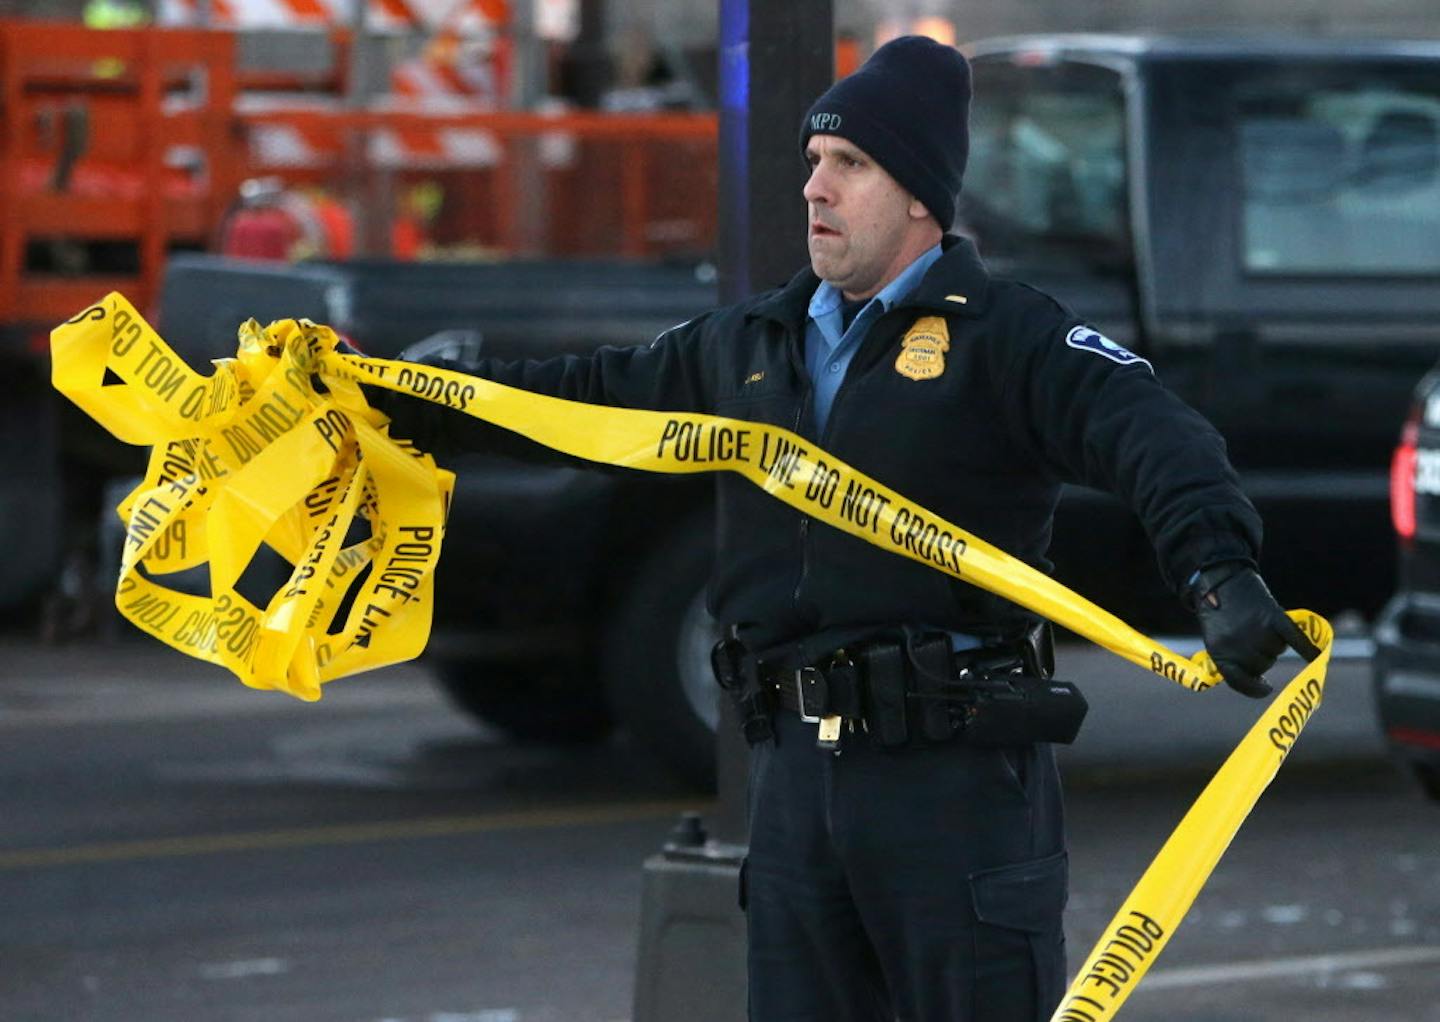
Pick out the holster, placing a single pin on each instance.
(738, 673)
(919, 692)
(1015, 709)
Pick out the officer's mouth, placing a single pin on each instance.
(819, 230)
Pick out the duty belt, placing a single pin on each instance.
(900, 693)
(908, 691)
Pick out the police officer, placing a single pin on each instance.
(907, 868)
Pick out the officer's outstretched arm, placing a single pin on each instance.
(1245, 629)
(671, 374)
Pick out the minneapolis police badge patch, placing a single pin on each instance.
(1093, 341)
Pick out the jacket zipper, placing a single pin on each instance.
(794, 348)
(829, 427)
(804, 519)
(847, 384)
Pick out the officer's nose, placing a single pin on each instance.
(817, 188)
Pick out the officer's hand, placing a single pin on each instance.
(1245, 630)
(410, 418)
(425, 423)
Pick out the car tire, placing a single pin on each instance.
(657, 656)
(555, 710)
(31, 495)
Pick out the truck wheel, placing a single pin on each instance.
(532, 709)
(31, 511)
(657, 656)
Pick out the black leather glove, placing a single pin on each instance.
(410, 417)
(1244, 629)
(422, 422)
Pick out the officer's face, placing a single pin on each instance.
(862, 223)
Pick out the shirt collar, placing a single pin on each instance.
(827, 297)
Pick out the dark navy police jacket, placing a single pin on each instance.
(1028, 398)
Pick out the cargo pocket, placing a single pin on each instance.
(1019, 939)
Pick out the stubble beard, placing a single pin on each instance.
(824, 261)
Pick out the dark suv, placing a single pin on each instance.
(1407, 635)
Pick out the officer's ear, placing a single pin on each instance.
(916, 209)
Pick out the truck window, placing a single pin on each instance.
(1047, 160)
(1340, 178)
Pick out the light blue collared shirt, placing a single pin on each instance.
(829, 348)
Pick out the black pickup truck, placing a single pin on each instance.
(1259, 220)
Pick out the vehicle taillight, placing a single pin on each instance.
(1421, 737)
(1402, 479)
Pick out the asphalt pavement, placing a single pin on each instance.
(178, 847)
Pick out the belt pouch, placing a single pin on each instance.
(843, 695)
(1017, 710)
(933, 671)
(882, 664)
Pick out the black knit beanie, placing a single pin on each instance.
(908, 108)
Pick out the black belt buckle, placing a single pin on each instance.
(812, 694)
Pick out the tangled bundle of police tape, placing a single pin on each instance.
(279, 446)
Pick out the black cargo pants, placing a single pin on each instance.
(920, 885)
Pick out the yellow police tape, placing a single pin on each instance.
(254, 453)
(257, 452)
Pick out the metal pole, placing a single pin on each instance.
(531, 73)
(522, 152)
(775, 58)
(368, 185)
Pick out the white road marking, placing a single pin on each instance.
(241, 969)
(1284, 915)
(486, 1015)
(1275, 968)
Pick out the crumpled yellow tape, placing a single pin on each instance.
(256, 453)
(251, 495)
